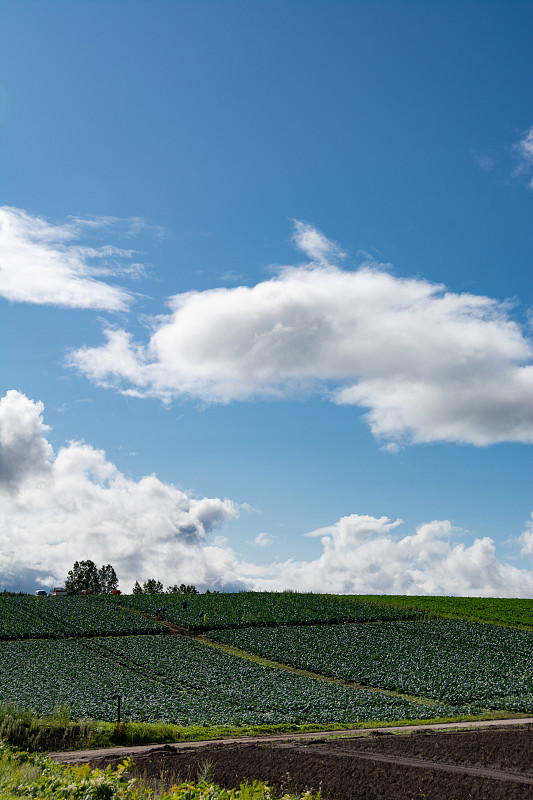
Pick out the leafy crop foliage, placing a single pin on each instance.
(28, 775)
(53, 617)
(504, 610)
(453, 661)
(454, 667)
(182, 681)
(218, 611)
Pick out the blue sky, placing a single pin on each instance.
(265, 291)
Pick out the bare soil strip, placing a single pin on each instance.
(415, 762)
(459, 763)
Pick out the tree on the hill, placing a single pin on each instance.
(82, 577)
(85, 576)
(151, 586)
(108, 579)
(137, 589)
(183, 589)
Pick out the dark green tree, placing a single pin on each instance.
(108, 579)
(151, 586)
(182, 589)
(82, 577)
(137, 589)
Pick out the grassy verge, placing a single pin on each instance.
(23, 729)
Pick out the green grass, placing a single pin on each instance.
(58, 732)
(516, 612)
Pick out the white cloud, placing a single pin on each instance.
(263, 540)
(41, 263)
(59, 508)
(428, 364)
(361, 555)
(524, 151)
(526, 539)
(314, 244)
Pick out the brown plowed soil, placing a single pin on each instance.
(486, 764)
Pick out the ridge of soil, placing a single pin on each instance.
(490, 763)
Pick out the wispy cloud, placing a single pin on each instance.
(484, 161)
(315, 245)
(526, 539)
(75, 504)
(45, 263)
(524, 151)
(263, 540)
(428, 364)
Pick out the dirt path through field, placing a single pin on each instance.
(178, 630)
(497, 774)
(85, 756)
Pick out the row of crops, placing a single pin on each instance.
(53, 617)
(453, 661)
(182, 681)
(244, 609)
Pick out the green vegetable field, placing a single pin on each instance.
(218, 611)
(80, 651)
(53, 617)
(453, 661)
(178, 680)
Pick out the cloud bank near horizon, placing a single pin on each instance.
(60, 508)
(75, 504)
(427, 364)
(44, 263)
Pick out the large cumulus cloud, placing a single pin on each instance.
(59, 508)
(426, 363)
(56, 508)
(364, 555)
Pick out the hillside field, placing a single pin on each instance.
(266, 658)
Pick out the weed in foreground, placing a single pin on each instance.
(24, 774)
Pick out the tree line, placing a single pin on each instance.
(86, 577)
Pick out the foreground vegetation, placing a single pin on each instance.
(23, 728)
(28, 775)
